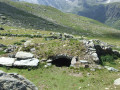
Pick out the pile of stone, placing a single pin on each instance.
(91, 51)
(13, 81)
(2, 47)
(21, 59)
(96, 48)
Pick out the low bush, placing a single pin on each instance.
(17, 43)
(23, 41)
(108, 58)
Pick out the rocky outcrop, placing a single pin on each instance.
(13, 81)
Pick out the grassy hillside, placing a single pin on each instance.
(65, 22)
(20, 18)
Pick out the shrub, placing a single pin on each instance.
(17, 43)
(27, 49)
(23, 41)
(1, 52)
(108, 58)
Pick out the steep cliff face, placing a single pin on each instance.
(108, 14)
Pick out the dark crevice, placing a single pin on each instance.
(59, 62)
(104, 52)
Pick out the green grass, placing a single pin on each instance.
(55, 78)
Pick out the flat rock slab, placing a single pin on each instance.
(7, 61)
(24, 55)
(27, 62)
(83, 61)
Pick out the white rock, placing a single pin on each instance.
(95, 57)
(49, 61)
(27, 62)
(49, 64)
(23, 55)
(73, 61)
(7, 61)
(83, 61)
(27, 43)
(117, 81)
(111, 69)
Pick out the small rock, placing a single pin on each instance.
(111, 69)
(83, 61)
(117, 81)
(73, 61)
(45, 66)
(49, 61)
(49, 64)
(92, 69)
(32, 50)
(88, 74)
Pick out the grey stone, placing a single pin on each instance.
(95, 57)
(49, 61)
(27, 62)
(73, 61)
(111, 69)
(32, 49)
(27, 43)
(92, 69)
(83, 61)
(6, 61)
(24, 55)
(88, 74)
(49, 64)
(117, 81)
(45, 66)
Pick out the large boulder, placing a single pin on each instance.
(14, 81)
(7, 61)
(24, 55)
(95, 57)
(28, 62)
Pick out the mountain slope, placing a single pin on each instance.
(69, 5)
(72, 23)
(21, 18)
(104, 11)
(108, 14)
